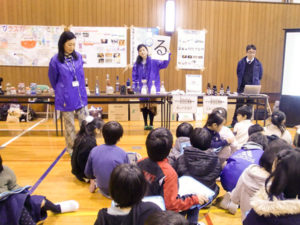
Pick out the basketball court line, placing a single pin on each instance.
(21, 134)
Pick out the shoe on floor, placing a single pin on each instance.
(150, 127)
(224, 204)
(232, 208)
(68, 206)
(146, 127)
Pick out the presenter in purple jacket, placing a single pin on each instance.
(249, 72)
(66, 76)
(148, 69)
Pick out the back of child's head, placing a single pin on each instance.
(214, 117)
(201, 138)
(89, 125)
(1, 165)
(275, 146)
(259, 138)
(166, 217)
(222, 111)
(278, 117)
(159, 143)
(254, 129)
(127, 185)
(184, 130)
(245, 110)
(286, 175)
(112, 132)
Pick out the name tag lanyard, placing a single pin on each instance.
(71, 68)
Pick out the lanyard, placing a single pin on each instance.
(71, 67)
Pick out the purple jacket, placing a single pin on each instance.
(238, 162)
(150, 72)
(61, 76)
(257, 71)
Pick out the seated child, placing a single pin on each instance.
(240, 129)
(104, 158)
(200, 162)
(214, 125)
(255, 128)
(277, 127)
(85, 141)
(250, 153)
(183, 133)
(278, 201)
(254, 176)
(166, 217)
(127, 187)
(162, 178)
(19, 207)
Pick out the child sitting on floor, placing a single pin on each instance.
(104, 158)
(127, 187)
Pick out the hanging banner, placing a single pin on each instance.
(190, 49)
(161, 47)
(141, 35)
(184, 103)
(211, 102)
(102, 46)
(28, 45)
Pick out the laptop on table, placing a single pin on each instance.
(251, 90)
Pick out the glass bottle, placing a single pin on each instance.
(117, 85)
(144, 90)
(97, 88)
(162, 88)
(208, 89)
(107, 84)
(227, 90)
(222, 90)
(214, 90)
(153, 88)
(87, 87)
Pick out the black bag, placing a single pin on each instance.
(3, 111)
(260, 114)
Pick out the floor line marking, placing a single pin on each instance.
(19, 135)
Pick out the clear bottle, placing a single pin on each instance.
(97, 87)
(153, 88)
(107, 84)
(162, 88)
(208, 89)
(117, 86)
(87, 87)
(137, 89)
(222, 90)
(144, 90)
(228, 91)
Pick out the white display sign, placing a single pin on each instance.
(185, 103)
(161, 47)
(28, 45)
(211, 102)
(102, 46)
(141, 35)
(191, 49)
(193, 84)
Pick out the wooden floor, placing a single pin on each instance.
(30, 154)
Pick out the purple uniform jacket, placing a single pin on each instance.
(150, 72)
(61, 75)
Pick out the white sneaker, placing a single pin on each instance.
(68, 206)
(201, 223)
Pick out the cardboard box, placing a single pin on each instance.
(157, 118)
(135, 112)
(118, 112)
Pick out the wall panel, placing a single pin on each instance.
(230, 27)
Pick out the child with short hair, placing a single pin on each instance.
(17, 206)
(163, 179)
(277, 127)
(85, 141)
(166, 217)
(214, 124)
(254, 129)
(199, 161)
(240, 129)
(104, 158)
(183, 133)
(127, 187)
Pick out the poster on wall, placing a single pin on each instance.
(141, 35)
(161, 47)
(190, 49)
(28, 45)
(102, 46)
(193, 84)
